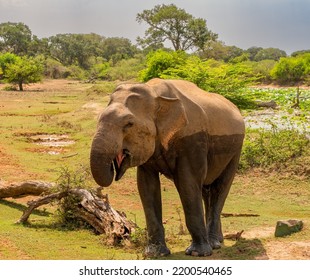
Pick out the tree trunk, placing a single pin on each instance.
(20, 85)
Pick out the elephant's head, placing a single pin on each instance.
(136, 118)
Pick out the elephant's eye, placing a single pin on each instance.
(128, 125)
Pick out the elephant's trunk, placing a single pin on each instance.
(101, 168)
(101, 160)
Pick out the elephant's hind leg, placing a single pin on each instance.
(214, 196)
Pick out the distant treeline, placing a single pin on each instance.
(92, 56)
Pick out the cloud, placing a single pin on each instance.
(13, 3)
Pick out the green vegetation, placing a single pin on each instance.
(273, 179)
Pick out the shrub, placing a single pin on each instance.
(160, 61)
(272, 149)
(292, 70)
(126, 69)
(55, 70)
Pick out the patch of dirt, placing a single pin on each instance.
(14, 253)
(10, 168)
(277, 249)
(93, 106)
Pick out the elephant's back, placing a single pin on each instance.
(223, 117)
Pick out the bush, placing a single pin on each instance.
(292, 70)
(210, 75)
(76, 73)
(126, 69)
(272, 149)
(100, 71)
(55, 70)
(160, 61)
(70, 179)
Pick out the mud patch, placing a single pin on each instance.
(52, 144)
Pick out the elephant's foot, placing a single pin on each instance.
(199, 250)
(215, 243)
(153, 250)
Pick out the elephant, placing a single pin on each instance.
(175, 129)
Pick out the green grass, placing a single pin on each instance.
(272, 195)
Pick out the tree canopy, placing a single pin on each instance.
(168, 22)
(15, 37)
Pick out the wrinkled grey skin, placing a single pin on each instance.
(173, 128)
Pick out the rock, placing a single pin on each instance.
(284, 228)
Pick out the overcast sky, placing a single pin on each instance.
(283, 24)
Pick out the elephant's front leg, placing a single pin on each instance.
(150, 194)
(191, 198)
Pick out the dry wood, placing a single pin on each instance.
(91, 208)
(26, 188)
(267, 104)
(234, 236)
(33, 204)
(226, 215)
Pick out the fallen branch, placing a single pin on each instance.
(33, 204)
(16, 190)
(226, 215)
(234, 236)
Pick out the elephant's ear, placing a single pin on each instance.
(171, 117)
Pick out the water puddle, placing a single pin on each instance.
(52, 144)
(52, 140)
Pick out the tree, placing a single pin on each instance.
(24, 71)
(168, 22)
(116, 49)
(253, 52)
(77, 49)
(15, 37)
(270, 53)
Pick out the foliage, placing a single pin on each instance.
(209, 75)
(116, 49)
(85, 49)
(126, 69)
(15, 37)
(262, 69)
(269, 54)
(272, 148)
(292, 70)
(219, 51)
(159, 61)
(76, 72)
(168, 22)
(54, 69)
(99, 71)
(70, 179)
(24, 70)
(5, 60)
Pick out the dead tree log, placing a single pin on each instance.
(267, 104)
(92, 209)
(26, 188)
